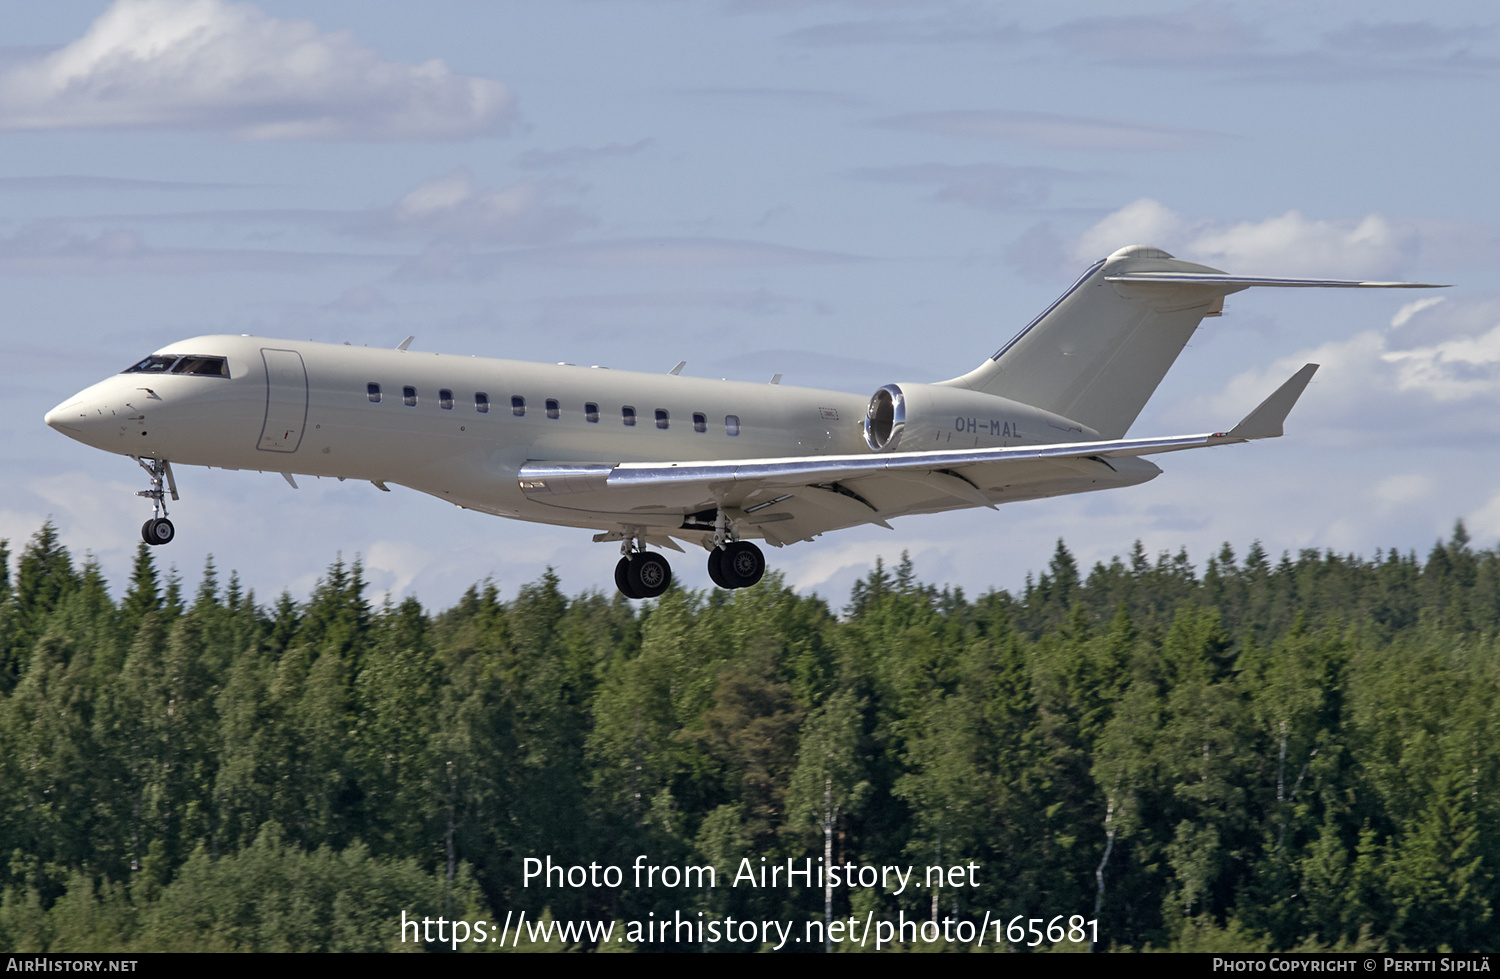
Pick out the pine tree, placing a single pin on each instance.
(44, 577)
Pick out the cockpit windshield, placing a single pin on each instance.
(154, 364)
(178, 364)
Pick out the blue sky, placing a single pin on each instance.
(849, 194)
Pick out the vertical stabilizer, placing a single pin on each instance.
(1097, 354)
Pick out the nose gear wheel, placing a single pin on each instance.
(158, 530)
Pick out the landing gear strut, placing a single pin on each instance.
(158, 530)
(641, 573)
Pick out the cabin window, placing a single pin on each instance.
(700, 422)
(554, 410)
(731, 424)
(373, 391)
(481, 402)
(627, 415)
(661, 418)
(445, 399)
(409, 395)
(591, 413)
(517, 405)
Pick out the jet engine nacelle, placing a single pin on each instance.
(934, 416)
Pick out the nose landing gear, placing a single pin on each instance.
(158, 530)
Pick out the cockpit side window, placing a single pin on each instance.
(203, 366)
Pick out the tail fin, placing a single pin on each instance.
(1097, 354)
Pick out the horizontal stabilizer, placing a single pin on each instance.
(1238, 282)
(1265, 421)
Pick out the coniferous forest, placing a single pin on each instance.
(1262, 753)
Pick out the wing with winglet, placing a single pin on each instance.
(798, 498)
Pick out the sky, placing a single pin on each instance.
(848, 194)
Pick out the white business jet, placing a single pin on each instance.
(653, 459)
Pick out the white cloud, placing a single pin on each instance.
(1402, 490)
(451, 209)
(1405, 313)
(394, 565)
(816, 567)
(209, 64)
(93, 514)
(1459, 369)
(1371, 247)
(1393, 384)
(1142, 222)
(1484, 523)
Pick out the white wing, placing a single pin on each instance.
(797, 498)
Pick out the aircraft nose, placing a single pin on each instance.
(60, 417)
(86, 418)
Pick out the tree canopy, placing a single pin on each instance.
(1270, 754)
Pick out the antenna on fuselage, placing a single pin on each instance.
(678, 369)
(404, 344)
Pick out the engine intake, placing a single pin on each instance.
(885, 419)
(911, 417)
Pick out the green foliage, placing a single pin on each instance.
(1275, 754)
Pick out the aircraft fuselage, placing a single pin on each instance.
(460, 428)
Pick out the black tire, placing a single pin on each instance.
(742, 564)
(716, 568)
(156, 532)
(648, 574)
(622, 578)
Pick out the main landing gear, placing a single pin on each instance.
(737, 564)
(642, 574)
(646, 574)
(732, 563)
(158, 530)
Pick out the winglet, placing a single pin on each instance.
(1265, 421)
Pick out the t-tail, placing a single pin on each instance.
(1097, 354)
